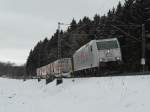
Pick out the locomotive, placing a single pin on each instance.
(96, 55)
(92, 59)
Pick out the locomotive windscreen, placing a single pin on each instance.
(107, 45)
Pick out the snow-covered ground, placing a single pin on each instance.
(108, 94)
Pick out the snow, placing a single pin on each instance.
(107, 94)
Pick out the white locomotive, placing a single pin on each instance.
(86, 61)
(94, 54)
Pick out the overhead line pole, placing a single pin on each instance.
(59, 78)
(143, 48)
(59, 42)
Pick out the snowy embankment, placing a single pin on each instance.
(108, 94)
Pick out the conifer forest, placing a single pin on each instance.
(123, 21)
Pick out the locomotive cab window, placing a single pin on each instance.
(107, 45)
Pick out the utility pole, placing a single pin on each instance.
(143, 48)
(59, 78)
(59, 42)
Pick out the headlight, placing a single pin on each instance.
(102, 59)
(118, 58)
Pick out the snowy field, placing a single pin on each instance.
(116, 94)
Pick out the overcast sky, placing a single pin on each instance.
(24, 22)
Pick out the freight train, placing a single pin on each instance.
(96, 58)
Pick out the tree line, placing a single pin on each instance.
(123, 22)
(11, 70)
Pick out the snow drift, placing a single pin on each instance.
(107, 94)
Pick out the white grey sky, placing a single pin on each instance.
(24, 22)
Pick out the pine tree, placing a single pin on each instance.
(73, 25)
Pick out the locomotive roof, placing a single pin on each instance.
(107, 39)
(100, 40)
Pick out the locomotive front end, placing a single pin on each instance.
(109, 50)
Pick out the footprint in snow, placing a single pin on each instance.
(13, 95)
